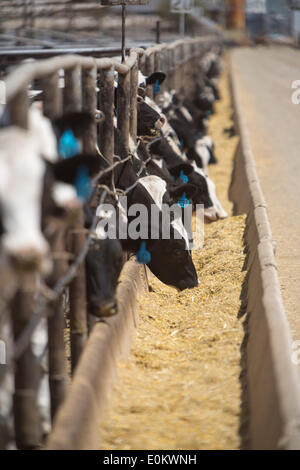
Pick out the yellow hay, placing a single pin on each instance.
(180, 388)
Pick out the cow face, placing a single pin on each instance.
(173, 264)
(175, 166)
(156, 78)
(170, 260)
(149, 121)
(214, 211)
(104, 262)
(21, 182)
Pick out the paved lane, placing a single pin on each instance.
(265, 77)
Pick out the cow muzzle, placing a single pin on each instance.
(210, 215)
(103, 308)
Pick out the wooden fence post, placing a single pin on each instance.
(56, 321)
(52, 103)
(182, 69)
(133, 100)
(149, 70)
(89, 104)
(28, 429)
(171, 68)
(18, 109)
(157, 68)
(107, 95)
(52, 108)
(142, 63)
(72, 90)
(164, 67)
(124, 106)
(78, 314)
(78, 308)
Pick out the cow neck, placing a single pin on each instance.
(143, 157)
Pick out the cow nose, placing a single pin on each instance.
(210, 215)
(103, 308)
(159, 123)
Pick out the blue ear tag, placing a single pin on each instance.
(83, 183)
(183, 177)
(143, 256)
(68, 145)
(181, 144)
(156, 87)
(207, 113)
(183, 201)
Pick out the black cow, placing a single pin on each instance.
(151, 191)
(176, 165)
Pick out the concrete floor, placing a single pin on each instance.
(265, 76)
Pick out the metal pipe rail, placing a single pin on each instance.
(178, 60)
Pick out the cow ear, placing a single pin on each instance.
(188, 189)
(66, 170)
(78, 122)
(155, 77)
(175, 170)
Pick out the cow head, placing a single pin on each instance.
(149, 121)
(104, 262)
(172, 263)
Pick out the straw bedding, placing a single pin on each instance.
(180, 389)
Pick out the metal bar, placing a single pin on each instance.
(23, 39)
(158, 32)
(78, 312)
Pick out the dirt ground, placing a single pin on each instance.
(180, 388)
